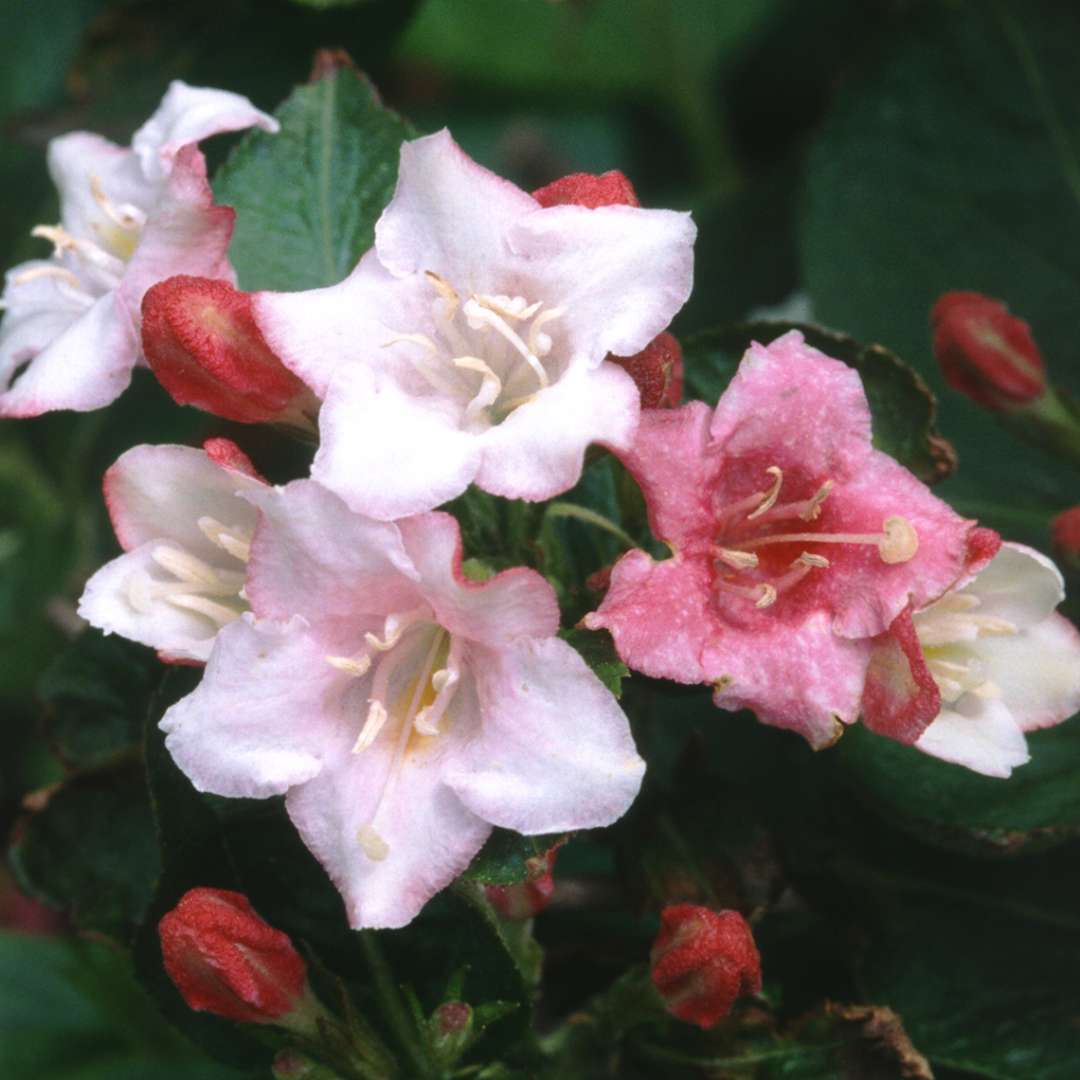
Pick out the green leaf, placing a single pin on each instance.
(502, 859)
(72, 1011)
(943, 803)
(96, 694)
(951, 162)
(903, 408)
(598, 651)
(307, 198)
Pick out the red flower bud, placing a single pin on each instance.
(583, 189)
(1065, 530)
(224, 959)
(702, 961)
(527, 898)
(658, 372)
(201, 341)
(985, 352)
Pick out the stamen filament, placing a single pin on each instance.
(201, 605)
(479, 315)
(771, 495)
(896, 543)
(737, 560)
(356, 666)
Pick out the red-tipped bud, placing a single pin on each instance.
(201, 340)
(583, 189)
(527, 898)
(224, 959)
(702, 961)
(658, 372)
(1065, 530)
(985, 352)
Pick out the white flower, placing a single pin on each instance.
(129, 216)
(469, 344)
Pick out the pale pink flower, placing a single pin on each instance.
(988, 661)
(401, 709)
(794, 542)
(469, 344)
(186, 532)
(129, 216)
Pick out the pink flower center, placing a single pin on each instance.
(414, 669)
(745, 526)
(489, 352)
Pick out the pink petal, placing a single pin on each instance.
(670, 462)
(800, 677)
(660, 615)
(537, 452)
(449, 215)
(516, 603)
(263, 716)
(187, 115)
(554, 750)
(901, 698)
(620, 273)
(799, 407)
(387, 452)
(430, 837)
(312, 556)
(86, 367)
(160, 492)
(185, 233)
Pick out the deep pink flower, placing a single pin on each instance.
(794, 543)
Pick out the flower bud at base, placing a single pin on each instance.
(526, 899)
(1065, 530)
(702, 961)
(201, 341)
(985, 352)
(583, 189)
(225, 960)
(658, 372)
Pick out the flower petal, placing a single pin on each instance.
(796, 676)
(86, 367)
(537, 452)
(312, 556)
(160, 492)
(806, 410)
(185, 233)
(660, 615)
(1020, 585)
(620, 273)
(449, 215)
(516, 603)
(979, 734)
(1037, 671)
(387, 452)
(429, 836)
(554, 751)
(188, 114)
(264, 714)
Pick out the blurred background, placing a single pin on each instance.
(846, 161)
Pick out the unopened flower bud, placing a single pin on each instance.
(224, 959)
(985, 352)
(527, 898)
(1065, 530)
(451, 1029)
(201, 340)
(584, 189)
(702, 961)
(658, 372)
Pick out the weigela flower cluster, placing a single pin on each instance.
(488, 338)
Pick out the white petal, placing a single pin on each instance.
(377, 803)
(160, 492)
(312, 556)
(188, 114)
(107, 603)
(267, 709)
(86, 367)
(619, 272)
(1037, 671)
(388, 452)
(977, 733)
(515, 603)
(449, 215)
(538, 450)
(1020, 584)
(554, 751)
